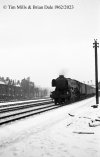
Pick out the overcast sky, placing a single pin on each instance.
(43, 43)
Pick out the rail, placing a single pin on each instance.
(17, 110)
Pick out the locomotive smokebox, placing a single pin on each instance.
(61, 82)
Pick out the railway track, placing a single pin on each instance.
(17, 110)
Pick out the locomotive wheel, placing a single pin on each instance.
(57, 102)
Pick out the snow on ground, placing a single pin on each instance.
(70, 131)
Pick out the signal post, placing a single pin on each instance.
(96, 45)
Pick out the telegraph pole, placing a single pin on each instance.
(96, 45)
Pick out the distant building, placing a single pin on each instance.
(2, 82)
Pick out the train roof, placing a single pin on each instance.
(81, 82)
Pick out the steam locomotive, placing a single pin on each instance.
(70, 90)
